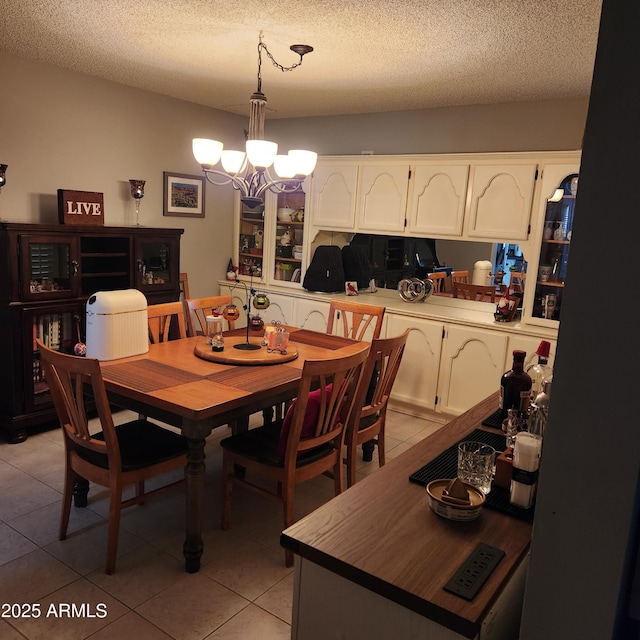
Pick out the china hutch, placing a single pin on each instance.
(48, 272)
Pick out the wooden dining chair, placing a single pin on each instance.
(162, 317)
(461, 275)
(367, 424)
(203, 307)
(184, 286)
(113, 457)
(355, 319)
(517, 281)
(439, 279)
(306, 444)
(481, 292)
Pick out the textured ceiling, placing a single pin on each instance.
(369, 56)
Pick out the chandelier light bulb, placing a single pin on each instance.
(249, 172)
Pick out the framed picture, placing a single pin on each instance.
(183, 195)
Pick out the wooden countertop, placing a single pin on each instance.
(382, 535)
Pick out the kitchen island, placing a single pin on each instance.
(372, 563)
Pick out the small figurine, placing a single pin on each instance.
(285, 240)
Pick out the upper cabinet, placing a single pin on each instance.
(501, 198)
(333, 194)
(547, 268)
(462, 196)
(437, 199)
(382, 197)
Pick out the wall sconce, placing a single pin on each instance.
(137, 192)
(3, 178)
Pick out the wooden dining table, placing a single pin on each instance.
(172, 384)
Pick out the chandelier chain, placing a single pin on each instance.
(261, 46)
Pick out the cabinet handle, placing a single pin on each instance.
(74, 267)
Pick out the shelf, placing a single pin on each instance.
(564, 242)
(252, 220)
(279, 259)
(280, 223)
(106, 254)
(250, 255)
(549, 284)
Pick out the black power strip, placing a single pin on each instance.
(474, 571)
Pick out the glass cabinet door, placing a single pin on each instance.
(289, 238)
(156, 260)
(251, 238)
(49, 267)
(554, 250)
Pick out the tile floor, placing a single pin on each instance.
(243, 589)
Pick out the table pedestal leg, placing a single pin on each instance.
(193, 546)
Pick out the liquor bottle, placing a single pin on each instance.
(540, 371)
(515, 387)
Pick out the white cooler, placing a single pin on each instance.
(482, 272)
(117, 324)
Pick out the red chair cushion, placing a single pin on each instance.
(310, 419)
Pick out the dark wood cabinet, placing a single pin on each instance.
(46, 276)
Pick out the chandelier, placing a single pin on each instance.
(248, 171)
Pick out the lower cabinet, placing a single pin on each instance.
(471, 365)
(312, 315)
(417, 380)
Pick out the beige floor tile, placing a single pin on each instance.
(131, 625)
(42, 525)
(248, 569)
(11, 476)
(94, 609)
(139, 575)
(252, 623)
(7, 632)
(28, 495)
(86, 550)
(33, 576)
(279, 599)
(13, 544)
(192, 608)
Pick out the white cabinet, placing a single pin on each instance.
(310, 314)
(437, 199)
(501, 199)
(333, 195)
(280, 309)
(382, 197)
(471, 366)
(417, 380)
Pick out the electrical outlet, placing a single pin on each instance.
(474, 571)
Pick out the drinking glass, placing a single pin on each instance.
(476, 464)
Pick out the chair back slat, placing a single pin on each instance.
(160, 318)
(355, 319)
(474, 291)
(203, 307)
(335, 406)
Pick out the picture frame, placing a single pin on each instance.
(183, 195)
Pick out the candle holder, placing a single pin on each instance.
(249, 294)
(137, 192)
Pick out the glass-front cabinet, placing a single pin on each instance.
(270, 240)
(547, 270)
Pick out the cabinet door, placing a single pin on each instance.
(251, 242)
(280, 309)
(416, 383)
(547, 268)
(333, 196)
(501, 199)
(471, 366)
(310, 314)
(437, 199)
(157, 266)
(287, 243)
(49, 267)
(382, 197)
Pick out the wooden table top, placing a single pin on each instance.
(171, 378)
(381, 534)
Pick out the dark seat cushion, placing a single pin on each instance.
(142, 443)
(262, 445)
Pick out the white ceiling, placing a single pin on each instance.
(369, 55)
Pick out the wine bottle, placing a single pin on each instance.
(541, 370)
(515, 386)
